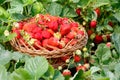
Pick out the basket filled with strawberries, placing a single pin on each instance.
(50, 36)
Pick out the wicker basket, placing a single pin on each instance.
(67, 50)
(56, 53)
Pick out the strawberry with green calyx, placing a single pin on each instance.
(64, 39)
(65, 29)
(57, 35)
(77, 58)
(63, 42)
(46, 34)
(98, 39)
(66, 72)
(93, 24)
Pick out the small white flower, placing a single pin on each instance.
(6, 33)
(15, 24)
(59, 67)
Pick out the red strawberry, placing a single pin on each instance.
(53, 41)
(45, 43)
(71, 35)
(65, 29)
(74, 24)
(80, 68)
(93, 24)
(81, 32)
(46, 34)
(78, 11)
(110, 23)
(89, 32)
(64, 58)
(37, 30)
(53, 25)
(97, 10)
(50, 31)
(108, 44)
(20, 25)
(59, 20)
(74, 41)
(75, 29)
(38, 36)
(108, 37)
(77, 58)
(66, 72)
(98, 39)
(66, 40)
(18, 33)
(29, 27)
(36, 44)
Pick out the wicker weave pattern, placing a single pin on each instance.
(56, 53)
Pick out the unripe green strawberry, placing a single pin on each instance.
(78, 52)
(92, 36)
(104, 38)
(84, 49)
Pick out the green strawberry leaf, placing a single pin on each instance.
(16, 6)
(100, 3)
(55, 9)
(5, 57)
(3, 73)
(57, 75)
(36, 66)
(68, 12)
(116, 38)
(103, 53)
(20, 74)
